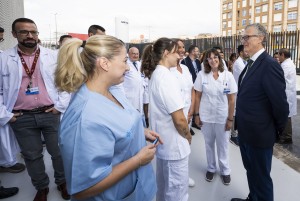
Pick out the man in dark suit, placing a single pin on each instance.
(261, 112)
(192, 62)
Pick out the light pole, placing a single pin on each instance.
(55, 31)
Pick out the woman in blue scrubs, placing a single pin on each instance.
(102, 138)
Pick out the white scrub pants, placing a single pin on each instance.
(172, 178)
(215, 134)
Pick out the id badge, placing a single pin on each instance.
(32, 91)
(226, 90)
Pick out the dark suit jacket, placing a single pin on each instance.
(261, 108)
(188, 62)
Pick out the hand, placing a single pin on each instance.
(14, 118)
(228, 125)
(53, 110)
(198, 121)
(146, 154)
(189, 137)
(152, 135)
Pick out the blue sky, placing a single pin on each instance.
(152, 18)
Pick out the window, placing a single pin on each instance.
(278, 6)
(224, 16)
(224, 6)
(244, 2)
(264, 0)
(224, 25)
(224, 33)
(250, 21)
(278, 17)
(291, 27)
(265, 8)
(229, 15)
(292, 16)
(257, 19)
(244, 22)
(292, 3)
(244, 12)
(257, 9)
(277, 28)
(239, 4)
(229, 6)
(257, 1)
(229, 32)
(229, 23)
(264, 19)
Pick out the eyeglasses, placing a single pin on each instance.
(246, 37)
(1, 40)
(214, 58)
(26, 33)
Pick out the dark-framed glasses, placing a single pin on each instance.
(26, 33)
(1, 40)
(246, 37)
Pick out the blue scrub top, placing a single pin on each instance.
(95, 135)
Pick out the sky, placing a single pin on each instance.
(152, 18)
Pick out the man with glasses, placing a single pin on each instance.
(261, 112)
(31, 104)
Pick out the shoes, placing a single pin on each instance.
(8, 192)
(234, 141)
(18, 167)
(192, 132)
(64, 193)
(191, 182)
(239, 199)
(41, 195)
(285, 141)
(209, 176)
(226, 179)
(195, 126)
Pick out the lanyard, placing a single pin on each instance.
(30, 72)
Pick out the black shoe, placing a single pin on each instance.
(192, 132)
(195, 126)
(8, 192)
(209, 176)
(239, 199)
(234, 141)
(226, 179)
(18, 167)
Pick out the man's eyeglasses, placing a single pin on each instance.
(214, 58)
(26, 33)
(246, 37)
(1, 40)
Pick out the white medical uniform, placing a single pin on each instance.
(213, 113)
(172, 156)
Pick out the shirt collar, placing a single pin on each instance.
(257, 54)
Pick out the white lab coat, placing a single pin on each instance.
(11, 76)
(289, 69)
(134, 85)
(238, 67)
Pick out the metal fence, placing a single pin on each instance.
(229, 44)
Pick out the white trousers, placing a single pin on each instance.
(215, 134)
(172, 178)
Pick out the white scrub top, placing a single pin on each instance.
(165, 98)
(185, 81)
(95, 135)
(214, 102)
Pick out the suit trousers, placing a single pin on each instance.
(216, 137)
(28, 129)
(258, 162)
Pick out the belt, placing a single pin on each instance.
(35, 110)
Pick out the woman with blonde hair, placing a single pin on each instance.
(102, 138)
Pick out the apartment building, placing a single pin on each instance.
(275, 15)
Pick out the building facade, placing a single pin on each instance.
(9, 11)
(275, 15)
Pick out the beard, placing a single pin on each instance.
(29, 44)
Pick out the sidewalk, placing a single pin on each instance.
(286, 180)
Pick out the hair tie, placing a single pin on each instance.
(83, 43)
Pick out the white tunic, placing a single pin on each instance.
(165, 98)
(289, 69)
(214, 102)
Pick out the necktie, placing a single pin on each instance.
(248, 66)
(134, 63)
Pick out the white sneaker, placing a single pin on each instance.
(191, 182)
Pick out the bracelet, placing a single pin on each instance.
(229, 119)
(196, 114)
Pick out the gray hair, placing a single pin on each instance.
(261, 30)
